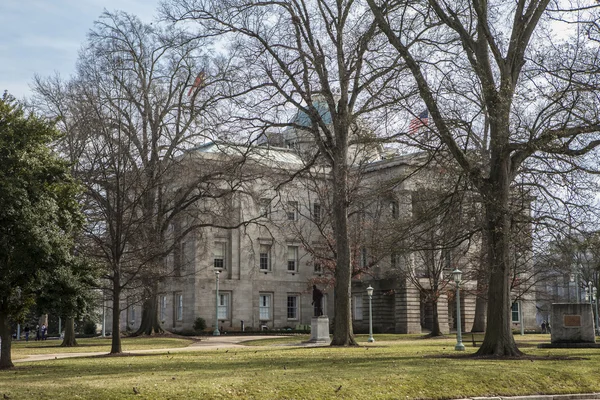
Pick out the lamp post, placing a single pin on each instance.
(590, 294)
(457, 275)
(370, 293)
(103, 315)
(595, 295)
(216, 331)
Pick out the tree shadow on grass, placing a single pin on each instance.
(524, 357)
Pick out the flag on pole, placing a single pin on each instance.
(418, 122)
(197, 82)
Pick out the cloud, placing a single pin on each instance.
(43, 36)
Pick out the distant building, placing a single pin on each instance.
(267, 267)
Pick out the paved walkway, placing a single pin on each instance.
(201, 343)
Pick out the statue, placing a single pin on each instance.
(317, 301)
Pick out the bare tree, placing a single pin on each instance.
(320, 57)
(143, 96)
(488, 68)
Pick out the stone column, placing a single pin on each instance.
(408, 309)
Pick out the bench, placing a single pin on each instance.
(477, 338)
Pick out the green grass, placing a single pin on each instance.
(387, 369)
(21, 349)
(298, 339)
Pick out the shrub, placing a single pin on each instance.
(199, 324)
(89, 327)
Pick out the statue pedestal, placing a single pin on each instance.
(319, 330)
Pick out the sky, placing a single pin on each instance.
(43, 37)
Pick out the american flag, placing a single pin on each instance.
(418, 122)
(197, 82)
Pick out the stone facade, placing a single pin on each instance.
(266, 270)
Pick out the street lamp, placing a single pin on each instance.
(590, 294)
(457, 276)
(216, 331)
(595, 296)
(370, 293)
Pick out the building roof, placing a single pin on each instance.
(268, 155)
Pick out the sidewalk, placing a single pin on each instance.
(201, 343)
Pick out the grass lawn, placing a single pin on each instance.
(297, 339)
(387, 369)
(21, 349)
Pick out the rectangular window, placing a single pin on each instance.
(265, 257)
(316, 213)
(394, 209)
(170, 261)
(292, 213)
(219, 251)
(264, 207)
(292, 259)
(364, 258)
(132, 315)
(264, 307)
(447, 255)
(515, 312)
(163, 308)
(292, 307)
(178, 307)
(318, 268)
(357, 303)
(223, 309)
(178, 260)
(394, 260)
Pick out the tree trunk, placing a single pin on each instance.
(480, 304)
(342, 328)
(69, 339)
(480, 300)
(498, 340)
(435, 324)
(116, 318)
(5, 334)
(150, 323)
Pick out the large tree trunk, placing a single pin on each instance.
(69, 339)
(498, 340)
(435, 324)
(150, 323)
(480, 305)
(342, 328)
(5, 334)
(116, 317)
(482, 274)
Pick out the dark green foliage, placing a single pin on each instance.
(199, 324)
(89, 327)
(38, 213)
(68, 290)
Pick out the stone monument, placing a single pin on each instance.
(572, 326)
(319, 324)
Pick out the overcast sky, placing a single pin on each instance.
(44, 36)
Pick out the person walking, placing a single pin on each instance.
(44, 329)
(27, 333)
